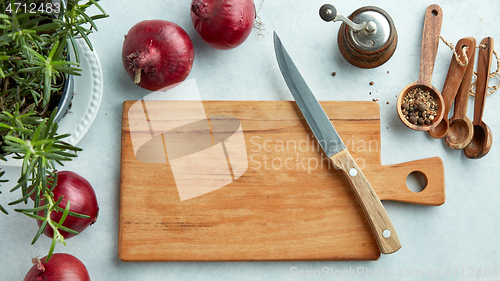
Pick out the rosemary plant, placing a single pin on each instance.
(35, 40)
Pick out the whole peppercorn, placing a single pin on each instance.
(419, 107)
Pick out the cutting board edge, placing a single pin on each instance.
(122, 151)
(131, 256)
(128, 260)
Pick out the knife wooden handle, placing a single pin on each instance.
(379, 220)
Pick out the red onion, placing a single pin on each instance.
(157, 54)
(60, 267)
(78, 191)
(223, 24)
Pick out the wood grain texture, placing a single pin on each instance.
(430, 41)
(290, 204)
(451, 85)
(455, 74)
(461, 130)
(484, 58)
(437, 97)
(377, 216)
(482, 140)
(362, 58)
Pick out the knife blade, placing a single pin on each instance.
(334, 148)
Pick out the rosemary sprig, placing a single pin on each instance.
(34, 50)
(41, 153)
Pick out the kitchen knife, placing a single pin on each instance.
(334, 148)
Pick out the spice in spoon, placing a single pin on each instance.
(419, 107)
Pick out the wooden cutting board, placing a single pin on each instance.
(286, 204)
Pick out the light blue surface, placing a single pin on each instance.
(461, 236)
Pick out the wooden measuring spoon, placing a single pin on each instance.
(451, 85)
(483, 138)
(428, 52)
(461, 130)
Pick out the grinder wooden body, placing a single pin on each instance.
(365, 51)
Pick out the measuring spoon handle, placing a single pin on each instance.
(455, 75)
(485, 54)
(462, 99)
(430, 42)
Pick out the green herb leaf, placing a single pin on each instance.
(52, 247)
(3, 210)
(22, 199)
(56, 204)
(76, 215)
(65, 214)
(32, 210)
(39, 232)
(63, 228)
(36, 217)
(82, 33)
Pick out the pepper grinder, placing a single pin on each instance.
(367, 38)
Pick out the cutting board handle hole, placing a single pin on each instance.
(386, 233)
(416, 181)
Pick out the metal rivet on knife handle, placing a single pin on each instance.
(379, 220)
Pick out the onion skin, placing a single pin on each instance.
(83, 200)
(157, 54)
(223, 24)
(60, 267)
